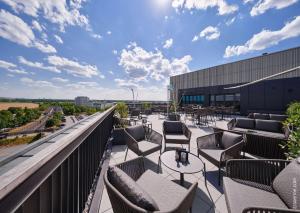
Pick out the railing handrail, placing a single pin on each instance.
(16, 175)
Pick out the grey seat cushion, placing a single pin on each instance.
(268, 125)
(173, 127)
(176, 138)
(261, 116)
(130, 189)
(246, 123)
(212, 155)
(164, 192)
(147, 147)
(287, 185)
(276, 117)
(229, 139)
(137, 132)
(240, 196)
(260, 132)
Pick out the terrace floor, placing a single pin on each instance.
(208, 199)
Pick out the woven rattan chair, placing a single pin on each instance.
(142, 140)
(159, 188)
(219, 147)
(265, 186)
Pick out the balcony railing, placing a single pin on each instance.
(56, 173)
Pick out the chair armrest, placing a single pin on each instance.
(231, 124)
(273, 210)
(259, 171)
(209, 141)
(154, 136)
(131, 143)
(187, 132)
(232, 152)
(133, 168)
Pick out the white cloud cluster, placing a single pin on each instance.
(16, 30)
(73, 67)
(266, 38)
(60, 80)
(168, 43)
(230, 21)
(38, 65)
(263, 5)
(209, 33)
(36, 25)
(126, 83)
(10, 67)
(223, 7)
(140, 64)
(58, 39)
(56, 11)
(37, 83)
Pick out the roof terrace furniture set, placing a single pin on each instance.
(264, 134)
(264, 186)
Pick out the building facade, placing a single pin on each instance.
(208, 87)
(82, 101)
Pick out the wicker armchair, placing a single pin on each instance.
(218, 149)
(176, 132)
(249, 185)
(142, 140)
(158, 188)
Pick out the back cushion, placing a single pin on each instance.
(130, 189)
(137, 132)
(261, 116)
(268, 125)
(173, 127)
(287, 185)
(277, 117)
(229, 139)
(246, 123)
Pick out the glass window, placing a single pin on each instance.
(219, 97)
(237, 96)
(229, 97)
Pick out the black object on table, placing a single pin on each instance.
(193, 165)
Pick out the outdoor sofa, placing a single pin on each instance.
(266, 186)
(176, 132)
(263, 136)
(219, 147)
(132, 188)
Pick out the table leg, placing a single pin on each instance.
(204, 168)
(181, 179)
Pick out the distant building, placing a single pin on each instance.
(82, 101)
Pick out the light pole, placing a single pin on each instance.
(133, 97)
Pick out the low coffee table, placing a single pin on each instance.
(193, 165)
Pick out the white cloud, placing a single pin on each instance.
(38, 65)
(210, 33)
(168, 43)
(16, 30)
(38, 84)
(60, 80)
(37, 26)
(115, 52)
(110, 72)
(10, 67)
(230, 21)
(58, 39)
(126, 83)
(57, 12)
(223, 7)
(108, 32)
(140, 64)
(248, 1)
(263, 5)
(96, 36)
(73, 67)
(195, 38)
(266, 38)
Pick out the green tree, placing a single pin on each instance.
(122, 109)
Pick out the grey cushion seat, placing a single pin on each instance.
(147, 147)
(237, 197)
(260, 132)
(177, 138)
(212, 155)
(165, 193)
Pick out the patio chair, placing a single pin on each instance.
(132, 188)
(176, 132)
(220, 147)
(252, 186)
(142, 140)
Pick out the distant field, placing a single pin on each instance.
(5, 105)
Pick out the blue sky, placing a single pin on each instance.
(101, 49)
